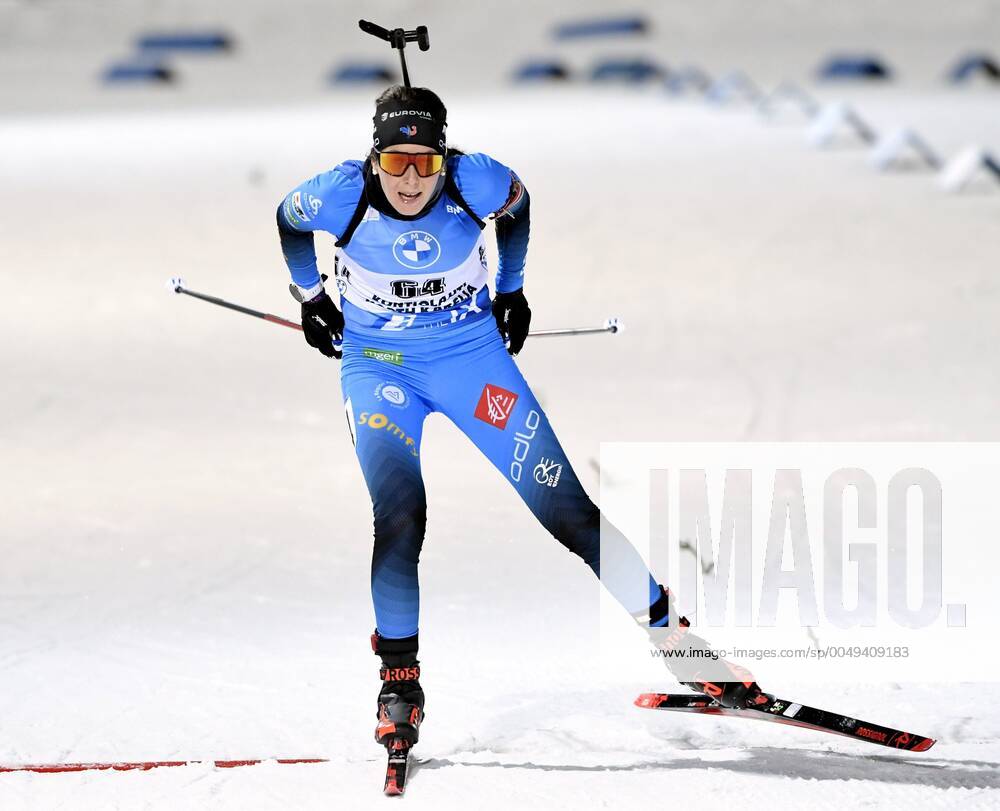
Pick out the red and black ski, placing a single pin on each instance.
(397, 767)
(793, 714)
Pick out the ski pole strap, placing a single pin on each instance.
(359, 210)
(451, 189)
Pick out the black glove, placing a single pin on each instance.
(513, 316)
(323, 323)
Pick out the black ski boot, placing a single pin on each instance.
(400, 705)
(689, 651)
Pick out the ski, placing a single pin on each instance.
(792, 713)
(396, 768)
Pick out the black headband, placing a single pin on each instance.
(397, 123)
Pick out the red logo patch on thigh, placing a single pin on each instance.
(495, 406)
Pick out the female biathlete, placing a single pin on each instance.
(420, 334)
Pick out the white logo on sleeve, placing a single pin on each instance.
(297, 205)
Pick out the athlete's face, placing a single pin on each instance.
(410, 192)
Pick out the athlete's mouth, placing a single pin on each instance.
(409, 197)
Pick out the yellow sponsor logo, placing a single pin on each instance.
(380, 422)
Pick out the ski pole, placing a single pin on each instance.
(612, 325)
(177, 285)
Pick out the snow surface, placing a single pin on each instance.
(186, 535)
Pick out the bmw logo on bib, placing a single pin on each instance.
(416, 250)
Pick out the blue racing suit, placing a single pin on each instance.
(420, 337)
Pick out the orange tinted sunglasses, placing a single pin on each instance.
(396, 163)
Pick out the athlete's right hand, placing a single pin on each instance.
(323, 324)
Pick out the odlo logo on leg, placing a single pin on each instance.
(522, 444)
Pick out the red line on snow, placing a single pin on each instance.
(143, 765)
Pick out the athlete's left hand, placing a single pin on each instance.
(513, 317)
